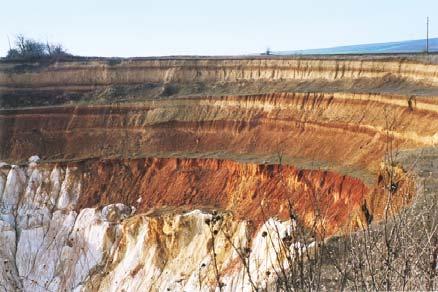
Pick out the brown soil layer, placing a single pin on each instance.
(347, 130)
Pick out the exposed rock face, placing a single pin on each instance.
(138, 71)
(293, 124)
(50, 244)
(169, 192)
(101, 81)
(61, 227)
(173, 252)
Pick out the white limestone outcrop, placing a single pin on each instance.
(48, 245)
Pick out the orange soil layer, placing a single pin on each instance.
(346, 129)
(252, 192)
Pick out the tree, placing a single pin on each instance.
(26, 48)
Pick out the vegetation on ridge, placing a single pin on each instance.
(29, 49)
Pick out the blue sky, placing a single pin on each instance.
(222, 27)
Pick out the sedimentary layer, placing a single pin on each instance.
(134, 71)
(100, 80)
(152, 223)
(159, 174)
(340, 130)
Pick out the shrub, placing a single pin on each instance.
(29, 49)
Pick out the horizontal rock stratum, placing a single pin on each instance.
(158, 174)
(134, 71)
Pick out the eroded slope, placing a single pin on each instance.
(63, 225)
(354, 129)
(158, 173)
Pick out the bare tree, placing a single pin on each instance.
(28, 49)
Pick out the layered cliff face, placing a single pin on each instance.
(160, 174)
(290, 124)
(101, 81)
(153, 223)
(95, 72)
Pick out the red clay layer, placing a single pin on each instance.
(252, 192)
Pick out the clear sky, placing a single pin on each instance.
(180, 27)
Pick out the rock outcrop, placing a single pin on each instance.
(151, 223)
(158, 70)
(191, 173)
(355, 129)
(50, 243)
